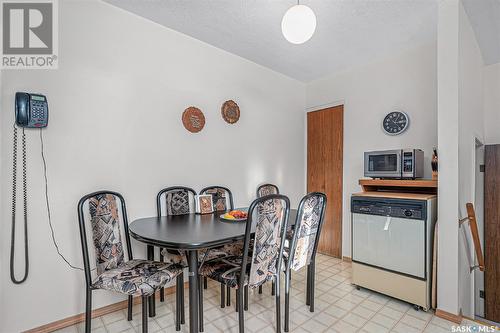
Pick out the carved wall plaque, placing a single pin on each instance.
(193, 119)
(230, 111)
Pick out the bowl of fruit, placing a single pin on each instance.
(236, 215)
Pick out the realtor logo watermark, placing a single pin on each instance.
(473, 329)
(29, 34)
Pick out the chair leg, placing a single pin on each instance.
(162, 294)
(308, 286)
(311, 292)
(129, 310)
(237, 300)
(183, 317)
(287, 301)
(241, 314)
(222, 296)
(144, 314)
(246, 298)
(228, 292)
(260, 289)
(178, 303)
(200, 304)
(162, 290)
(278, 303)
(152, 298)
(205, 283)
(273, 289)
(88, 311)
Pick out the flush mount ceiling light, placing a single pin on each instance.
(298, 24)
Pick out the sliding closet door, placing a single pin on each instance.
(325, 136)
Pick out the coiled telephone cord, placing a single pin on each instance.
(25, 203)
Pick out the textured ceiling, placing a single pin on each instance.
(484, 16)
(348, 33)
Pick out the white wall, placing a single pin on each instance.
(447, 280)
(491, 76)
(471, 120)
(460, 121)
(115, 122)
(2, 202)
(405, 81)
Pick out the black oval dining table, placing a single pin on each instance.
(192, 233)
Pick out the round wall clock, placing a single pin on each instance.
(193, 119)
(395, 122)
(230, 111)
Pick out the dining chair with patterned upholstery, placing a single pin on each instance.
(261, 259)
(222, 199)
(111, 242)
(302, 244)
(267, 189)
(175, 200)
(262, 191)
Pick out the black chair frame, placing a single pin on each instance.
(311, 268)
(180, 278)
(265, 185)
(242, 291)
(258, 195)
(86, 262)
(231, 207)
(230, 194)
(168, 189)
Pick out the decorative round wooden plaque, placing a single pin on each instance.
(193, 119)
(230, 111)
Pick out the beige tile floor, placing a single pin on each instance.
(339, 308)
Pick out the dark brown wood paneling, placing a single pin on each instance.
(492, 232)
(325, 141)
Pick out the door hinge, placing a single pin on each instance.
(481, 294)
(481, 168)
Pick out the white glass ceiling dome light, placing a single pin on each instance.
(298, 24)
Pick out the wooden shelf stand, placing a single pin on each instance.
(399, 185)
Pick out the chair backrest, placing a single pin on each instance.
(221, 196)
(304, 243)
(106, 231)
(267, 189)
(272, 213)
(179, 200)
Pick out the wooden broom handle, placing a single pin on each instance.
(475, 235)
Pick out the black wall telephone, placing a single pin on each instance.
(31, 111)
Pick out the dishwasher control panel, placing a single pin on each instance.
(409, 209)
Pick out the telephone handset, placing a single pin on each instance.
(31, 111)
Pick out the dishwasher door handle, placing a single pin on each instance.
(387, 223)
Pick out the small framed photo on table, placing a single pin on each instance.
(204, 204)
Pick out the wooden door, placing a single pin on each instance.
(325, 140)
(492, 233)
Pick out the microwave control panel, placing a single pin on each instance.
(408, 162)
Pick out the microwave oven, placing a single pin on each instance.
(398, 163)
